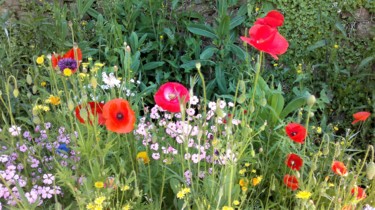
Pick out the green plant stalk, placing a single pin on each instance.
(258, 67)
(204, 92)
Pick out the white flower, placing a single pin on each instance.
(230, 104)
(110, 80)
(212, 105)
(222, 104)
(194, 100)
(15, 130)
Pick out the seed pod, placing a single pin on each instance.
(311, 100)
(34, 89)
(16, 92)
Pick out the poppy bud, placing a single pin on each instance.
(311, 100)
(198, 65)
(252, 109)
(36, 120)
(370, 170)
(263, 102)
(29, 80)
(128, 49)
(28, 94)
(16, 92)
(70, 23)
(115, 68)
(337, 150)
(34, 89)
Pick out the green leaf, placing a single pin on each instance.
(175, 185)
(202, 30)
(277, 102)
(365, 62)
(294, 105)
(241, 98)
(238, 51)
(153, 65)
(208, 53)
(317, 44)
(223, 28)
(341, 28)
(220, 79)
(236, 22)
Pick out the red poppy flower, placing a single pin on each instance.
(296, 132)
(265, 37)
(360, 116)
(294, 162)
(96, 109)
(68, 60)
(118, 115)
(339, 168)
(169, 96)
(358, 192)
(291, 182)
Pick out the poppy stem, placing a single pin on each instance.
(257, 68)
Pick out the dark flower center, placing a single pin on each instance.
(293, 133)
(120, 116)
(67, 63)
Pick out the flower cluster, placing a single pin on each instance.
(31, 164)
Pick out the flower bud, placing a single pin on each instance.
(370, 170)
(34, 89)
(198, 65)
(16, 92)
(263, 102)
(311, 100)
(29, 80)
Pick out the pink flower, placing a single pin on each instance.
(170, 95)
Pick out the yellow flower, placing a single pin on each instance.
(303, 195)
(85, 65)
(94, 69)
(236, 202)
(253, 171)
(126, 207)
(67, 72)
(247, 164)
(275, 64)
(161, 37)
(43, 84)
(99, 200)
(256, 9)
(97, 207)
(99, 64)
(242, 171)
(90, 206)
(331, 184)
(125, 188)
(99, 185)
(227, 208)
(186, 190)
(180, 195)
(243, 182)
(143, 155)
(336, 46)
(40, 60)
(54, 100)
(319, 130)
(82, 76)
(257, 180)
(244, 189)
(335, 128)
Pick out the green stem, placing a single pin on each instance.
(258, 67)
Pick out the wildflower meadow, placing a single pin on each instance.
(183, 105)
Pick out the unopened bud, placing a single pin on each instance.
(34, 89)
(16, 92)
(115, 68)
(198, 65)
(70, 23)
(29, 80)
(263, 102)
(370, 170)
(311, 100)
(128, 49)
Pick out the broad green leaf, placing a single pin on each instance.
(292, 106)
(341, 28)
(236, 21)
(277, 102)
(220, 79)
(365, 62)
(223, 28)
(175, 185)
(203, 30)
(238, 51)
(153, 65)
(208, 53)
(241, 98)
(317, 44)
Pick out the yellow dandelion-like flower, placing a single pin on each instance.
(40, 60)
(275, 64)
(67, 72)
(99, 185)
(180, 194)
(242, 171)
(125, 188)
(244, 189)
(257, 9)
(82, 76)
(143, 155)
(99, 64)
(319, 130)
(335, 128)
(43, 84)
(99, 200)
(247, 164)
(54, 100)
(303, 195)
(90, 206)
(94, 69)
(85, 65)
(253, 171)
(97, 207)
(236, 202)
(331, 184)
(257, 180)
(186, 190)
(336, 46)
(126, 207)
(161, 37)
(227, 208)
(243, 182)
